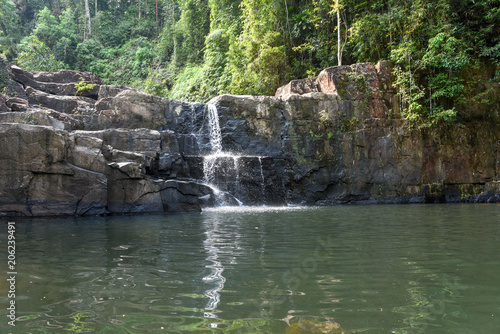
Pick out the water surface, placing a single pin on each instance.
(351, 269)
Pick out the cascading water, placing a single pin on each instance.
(238, 179)
(217, 161)
(214, 128)
(263, 181)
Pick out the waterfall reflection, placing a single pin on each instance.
(211, 245)
(223, 247)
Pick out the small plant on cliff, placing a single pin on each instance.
(348, 124)
(314, 135)
(83, 86)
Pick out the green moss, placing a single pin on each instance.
(315, 136)
(348, 124)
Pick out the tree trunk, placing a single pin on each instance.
(95, 8)
(139, 11)
(4, 29)
(174, 35)
(88, 29)
(339, 50)
(288, 23)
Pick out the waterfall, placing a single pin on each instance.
(235, 179)
(214, 128)
(216, 162)
(263, 181)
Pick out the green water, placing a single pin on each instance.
(351, 269)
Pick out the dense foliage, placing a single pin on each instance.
(197, 49)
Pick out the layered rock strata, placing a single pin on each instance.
(334, 139)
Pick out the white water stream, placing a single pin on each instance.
(209, 161)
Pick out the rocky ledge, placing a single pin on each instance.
(334, 139)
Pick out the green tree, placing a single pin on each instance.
(58, 33)
(9, 28)
(192, 27)
(34, 55)
(258, 59)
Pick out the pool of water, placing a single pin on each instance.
(344, 269)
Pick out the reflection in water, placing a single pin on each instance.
(215, 277)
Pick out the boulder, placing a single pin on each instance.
(145, 195)
(17, 104)
(58, 83)
(115, 155)
(63, 104)
(171, 166)
(49, 172)
(133, 140)
(300, 87)
(35, 116)
(67, 76)
(109, 91)
(37, 180)
(182, 196)
(64, 121)
(357, 81)
(133, 109)
(3, 105)
(87, 153)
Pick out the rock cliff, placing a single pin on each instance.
(334, 139)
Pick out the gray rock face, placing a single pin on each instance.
(346, 143)
(57, 83)
(334, 139)
(49, 172)
(37, 180)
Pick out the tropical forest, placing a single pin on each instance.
(194, 50)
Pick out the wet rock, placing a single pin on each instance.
(182, 196)
(250, 125)
(126, 195)
(171, 166)
(137, 195)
